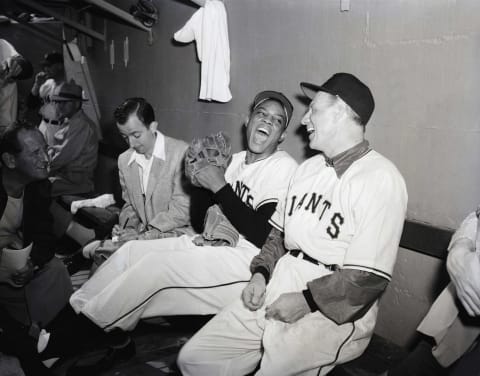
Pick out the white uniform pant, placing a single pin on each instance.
(237, 339)
(172, 276)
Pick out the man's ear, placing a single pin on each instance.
(153, 126)
(9, 160)
(247, 119)
(282, 137)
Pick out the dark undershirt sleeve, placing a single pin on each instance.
(272, 250)
(253, 224)
(345, 295)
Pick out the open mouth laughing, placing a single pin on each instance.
(262, 133)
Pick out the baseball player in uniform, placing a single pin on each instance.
(175, 276)
(312, 299)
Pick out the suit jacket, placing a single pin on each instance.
(166, 203)
(37, 222)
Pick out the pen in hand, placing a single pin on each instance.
(115, 238)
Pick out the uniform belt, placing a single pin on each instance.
(300, 254)
(54, 122)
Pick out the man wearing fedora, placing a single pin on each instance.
(72, 141)
(312, 299)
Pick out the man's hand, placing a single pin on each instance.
(253, 295)
(289, 307)
(463, 265)
(15, 69)
(123, 235)
(40, 79)
(211, 177)
(24, 275)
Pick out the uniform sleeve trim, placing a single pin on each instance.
(378, 272)
(275, 224)
(267, 201)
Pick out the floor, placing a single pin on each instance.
(157, 345)
(159, 341)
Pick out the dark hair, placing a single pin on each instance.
(138, 106)
(9, 142)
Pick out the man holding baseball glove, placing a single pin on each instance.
(201, 274)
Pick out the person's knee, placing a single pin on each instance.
(187, 357)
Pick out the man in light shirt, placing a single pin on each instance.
(151, 172)
(13, 67)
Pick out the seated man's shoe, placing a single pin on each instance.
(77, 262)
(113, 355)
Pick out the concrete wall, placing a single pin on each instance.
(419, 58)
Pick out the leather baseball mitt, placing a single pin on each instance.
(214, 149)
(218, 231)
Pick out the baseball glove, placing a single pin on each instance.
(214, 149)
(218, 231)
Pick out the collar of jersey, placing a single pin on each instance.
(341, 162)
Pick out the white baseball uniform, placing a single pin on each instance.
(174, 276)
(354, 221)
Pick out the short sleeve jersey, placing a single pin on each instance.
(354, 221)
(263, 181)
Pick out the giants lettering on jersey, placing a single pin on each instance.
(242, 191)
(312, 202)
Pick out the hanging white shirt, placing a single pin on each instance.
(146, 164)
(208, 27)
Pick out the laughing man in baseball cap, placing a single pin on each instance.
(183, 275)
(342, 222)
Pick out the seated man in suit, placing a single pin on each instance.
(151, 176)
(42, 287)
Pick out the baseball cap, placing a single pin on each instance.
(68, 91)
(51, 58)
(279, 97)
(350, 89)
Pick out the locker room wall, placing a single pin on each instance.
(419, 58)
